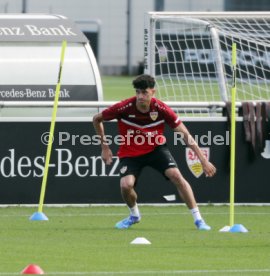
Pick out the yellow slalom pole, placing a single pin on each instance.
(233, 127)
(49, 147)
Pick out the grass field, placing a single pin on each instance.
(83, 241)
(117, 88)
(120, 87)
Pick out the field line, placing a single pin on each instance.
(155, 272)
(143, 214)
(123, 205)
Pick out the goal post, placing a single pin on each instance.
(190, 55)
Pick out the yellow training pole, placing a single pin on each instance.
(232, 153)
(49, 147)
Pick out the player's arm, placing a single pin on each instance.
(106, 153)
(208, 167)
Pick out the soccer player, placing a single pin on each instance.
(141, 120)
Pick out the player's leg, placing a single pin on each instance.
(163, 161)
(186, 193)
(127, 190)
(130, 197)
(129, 170)
(182, 186)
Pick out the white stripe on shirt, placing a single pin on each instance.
(142, 126)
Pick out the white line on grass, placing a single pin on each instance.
(78, 205)
(153, 272)
(156, 214)
(144, 214)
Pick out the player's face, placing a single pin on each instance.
(144, 96)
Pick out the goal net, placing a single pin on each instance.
(190, 55)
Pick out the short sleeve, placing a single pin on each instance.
(112, 112)
(171, 117)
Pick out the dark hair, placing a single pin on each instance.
(144, 82)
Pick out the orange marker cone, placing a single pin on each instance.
(32, 269)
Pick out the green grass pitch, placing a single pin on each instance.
(83, 241)
(117, 88)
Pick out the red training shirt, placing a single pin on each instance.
(140, 132)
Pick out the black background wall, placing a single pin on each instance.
(77, 174)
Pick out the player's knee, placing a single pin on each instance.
(174, 175)
(127, 183)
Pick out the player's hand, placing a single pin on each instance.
(209, 169)
(106, 156)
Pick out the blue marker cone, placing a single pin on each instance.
(38, 216)
(238, 228)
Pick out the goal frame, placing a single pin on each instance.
(149, 37)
